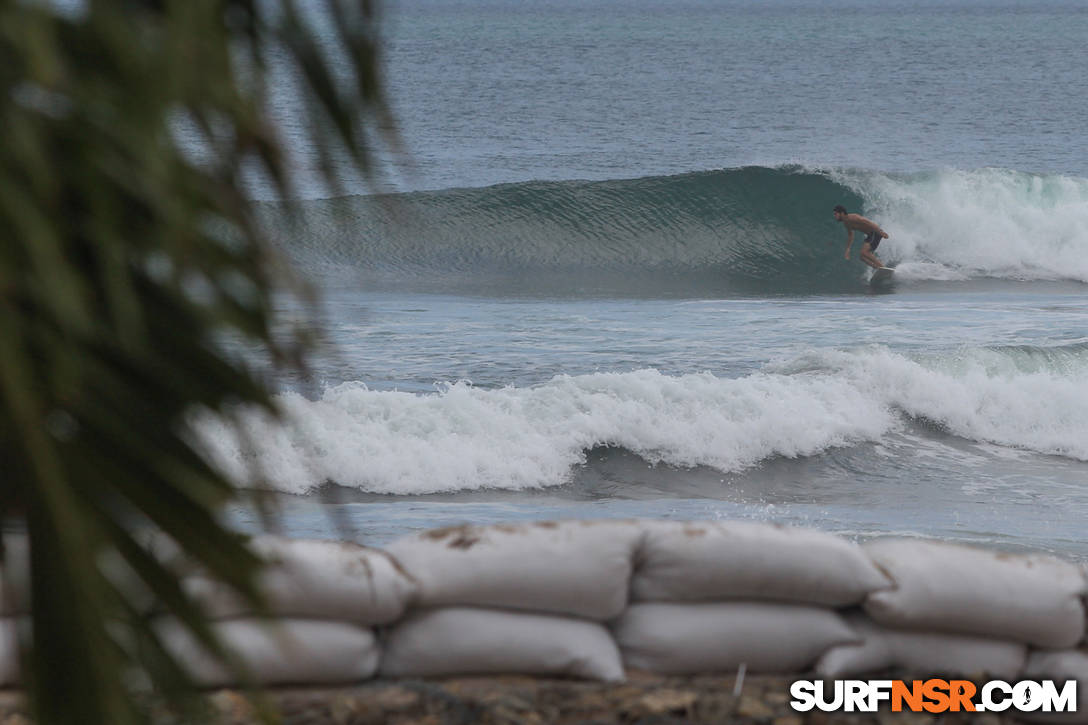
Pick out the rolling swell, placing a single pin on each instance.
(754, 229)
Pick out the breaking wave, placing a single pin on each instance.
(461, 437)
(754, 229)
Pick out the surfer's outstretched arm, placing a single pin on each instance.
(849, 241)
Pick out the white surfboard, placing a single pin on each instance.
(882, 275)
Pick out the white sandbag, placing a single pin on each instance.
(15, 585)
(9, 653)
(713, 561)
(697, 638)
(15, 576)
(951, 588)
(580, 568)
(927, 654)
(314, 579)
(1060, 666)
(466, 640)
(280, 652)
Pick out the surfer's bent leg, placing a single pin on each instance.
(869, 258)
(872, 239)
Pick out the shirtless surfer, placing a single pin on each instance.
(873, 235)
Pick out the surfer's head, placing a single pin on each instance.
(840, 212)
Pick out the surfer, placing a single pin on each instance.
(873, 235)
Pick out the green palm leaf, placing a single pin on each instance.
(128, 252)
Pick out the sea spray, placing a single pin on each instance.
(985, 222)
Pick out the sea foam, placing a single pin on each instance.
(986, 222)
(463, 437)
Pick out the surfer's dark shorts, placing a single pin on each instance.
(873, 240)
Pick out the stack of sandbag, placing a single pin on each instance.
(710, 597)
(15, 576)
(1060, 666)
(924, 653)
(9, 653)
(14, 604)
(955, 609)
(15, 599)
(281, 652)
(325, 596)
(526, 599)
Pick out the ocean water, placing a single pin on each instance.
(605, 281)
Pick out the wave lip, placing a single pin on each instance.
(466, 438)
